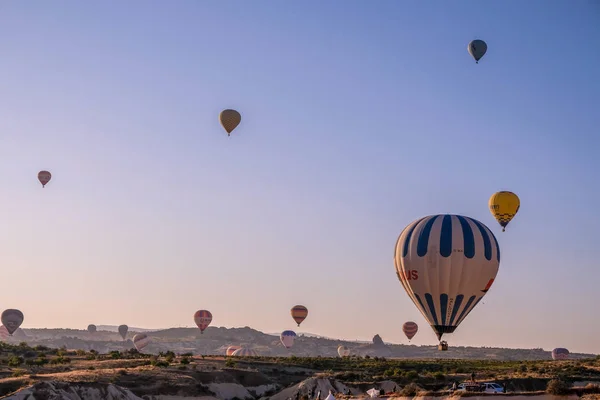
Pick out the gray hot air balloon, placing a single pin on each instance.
(477, 49)
(12, 320)
(123, 331)
(92, 328)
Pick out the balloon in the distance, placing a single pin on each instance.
(44, 177)
(123, 331)
(446, 264)
(231, 349)
(504, 206)
(140, 341)
(12, 320)
(343, 351)
(287, 338)
(202, 318)
(91, 328)
(560, 354)
(230, 119)
(299, 313)
(410, 329)
(477, 49)
(245, 352)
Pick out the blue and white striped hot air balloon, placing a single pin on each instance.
(446, 264)
(287, 338)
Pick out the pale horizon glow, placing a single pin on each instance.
(357, 118)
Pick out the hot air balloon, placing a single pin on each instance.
(560, 354)
(477, 49)
(230, 119)
(140, 341)
(446, 264)
(232, 349)
(91, 328)
(504, 206)
(123, 331)
(12, 320)
(410, 329)
(343, 351)
(245, 352)
(44, 177)
(299, 314)
(287, 338)
(202, 318)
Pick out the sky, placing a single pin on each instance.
(358, 117)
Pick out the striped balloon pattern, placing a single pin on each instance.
(287, 338)
(410, 329)
(446, 263)
(560, 354)
(343, 351)
(140, 341)
(245, 352)
(231, 349)
(202, 318)
(299, 314)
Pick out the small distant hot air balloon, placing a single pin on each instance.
(44, 177)
(299, 314)
(343, 351)
(245, 352)
(123, 331)
(287, 338)
(230, 119)
(446, 264)
(91, 328)
(560, 354)
(12, 320)
(231, 350)
(477, 49)
(140, 341)
(410, 329)
(202, 318)
(504, 206)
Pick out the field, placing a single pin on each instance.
(188, 375)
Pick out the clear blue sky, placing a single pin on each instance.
(358, 117)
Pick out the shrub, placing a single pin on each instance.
(185, 361)
(439, 376)
(558, 387)
(412, 375)
(410, 390)
(15, 361)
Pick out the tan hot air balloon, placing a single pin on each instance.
(44, 177)
(12, 320)
(230, 119)
(343, 351)
(299, 313)
(140, 341)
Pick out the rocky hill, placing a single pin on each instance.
(215, 341)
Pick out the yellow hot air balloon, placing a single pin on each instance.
(230, 119)
(504, 206)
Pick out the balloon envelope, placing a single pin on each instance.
(231, 349)
(12, 320)
(504, 206)
(287, 338)
(230, 119)
(140, 341)
(343, 351)
(477, 49)
(560, 354)
(446, 264)
(44, 177)
(202, 318)
(91, 328)
(299, 313)
(245, 352)
(410, 329)
(123, 331)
